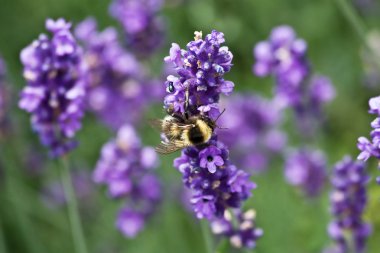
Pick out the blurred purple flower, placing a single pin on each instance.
(254, 122)
(143, 27)
(54, 95)
(321, 91)
(306, 169)
(284, 57)
(347, 202)
(127, 169)
(216, 185)
(115, 78)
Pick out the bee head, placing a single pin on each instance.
(212, 123)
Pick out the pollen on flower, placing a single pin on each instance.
(198, 35)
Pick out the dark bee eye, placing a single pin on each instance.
(171, 87)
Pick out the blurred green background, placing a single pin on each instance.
(291, 223)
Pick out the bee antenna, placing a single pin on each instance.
(219, 115)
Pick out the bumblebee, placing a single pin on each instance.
(181, 131)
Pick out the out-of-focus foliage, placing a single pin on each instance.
(291, 223)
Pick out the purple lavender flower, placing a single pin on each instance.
(127, 169)
(56, 88)
(242, 232)
(306, 169)
(116, 79)
(200, 70)
(348, 200)
(284, 57)
(254, 121)
(216, 184)
(210, 158)
(371, 147)
(321, 91)
(143, 27)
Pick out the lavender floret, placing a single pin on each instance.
(348, 200)
(127, 169)
(242, 231)
(371, 147)
(54, 95)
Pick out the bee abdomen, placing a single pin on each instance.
(196, 136)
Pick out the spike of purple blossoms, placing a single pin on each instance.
(116, 79)
(216, 184)
(284, 57)
(127, 169)
(254, 122)
(242, 231)
(143, 27)
(371, 147)
(306, 169)
(348, 200)
(54, 95)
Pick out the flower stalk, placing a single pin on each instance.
(72, 205)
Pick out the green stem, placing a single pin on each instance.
(3, 246)
(14, 191)
(73, 212)
(359, 26)
(207, 236)
(352, 16)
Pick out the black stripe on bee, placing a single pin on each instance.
(196, 136)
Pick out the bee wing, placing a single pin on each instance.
(156, 124)
(169, 147)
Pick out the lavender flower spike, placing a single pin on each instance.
(306, 169)
(127, 169)
(216, 185)
(115, 78)
(284, 57)
(371, 147)
(54, 95)
(144, 29)
(347, 202)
